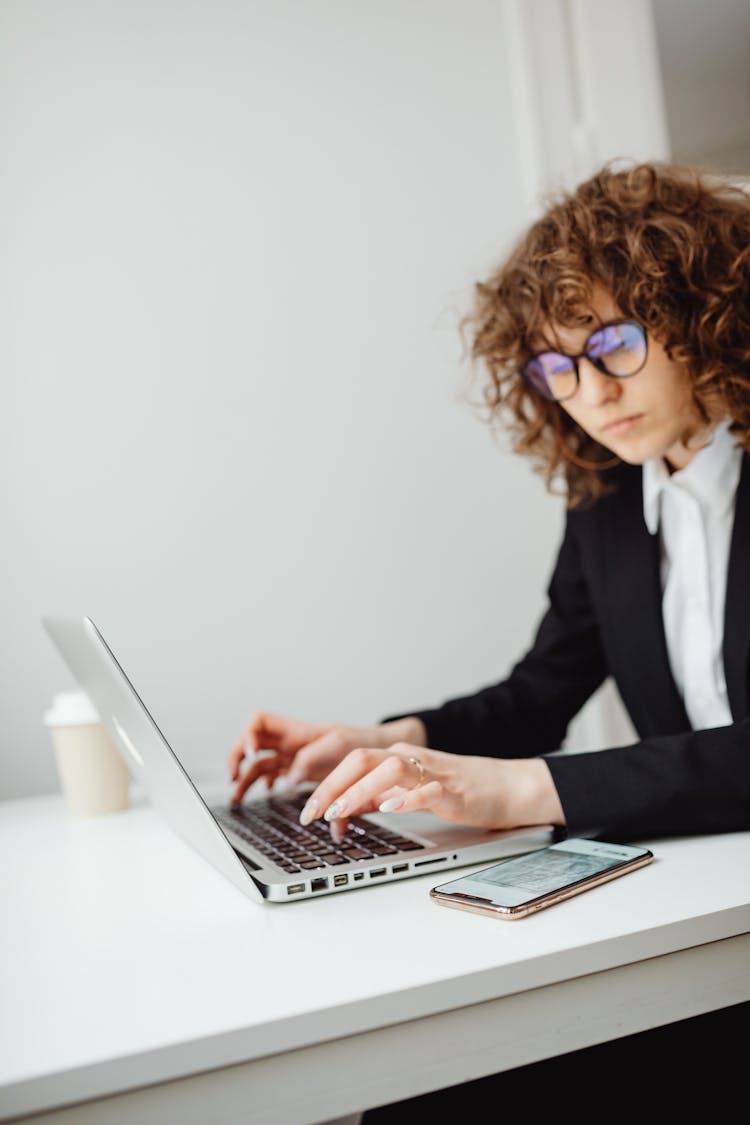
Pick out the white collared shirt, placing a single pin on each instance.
(693, 509)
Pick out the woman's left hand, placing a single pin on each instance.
(484, 792)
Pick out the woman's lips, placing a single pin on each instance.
(622, 425)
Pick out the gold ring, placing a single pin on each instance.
(422, 771)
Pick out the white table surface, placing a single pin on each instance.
(129, 962)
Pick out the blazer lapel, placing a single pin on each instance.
(634, 583)
(737, 605)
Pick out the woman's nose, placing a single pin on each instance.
(594, 387)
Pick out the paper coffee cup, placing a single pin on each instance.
(93, 775)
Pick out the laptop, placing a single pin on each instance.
(260, 846)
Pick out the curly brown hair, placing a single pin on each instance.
(671, 244)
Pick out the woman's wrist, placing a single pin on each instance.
(409, 729)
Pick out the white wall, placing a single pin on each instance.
(705, 62)
(236, 240)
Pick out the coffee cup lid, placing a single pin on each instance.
(71, 708)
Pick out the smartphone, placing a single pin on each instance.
(517, 887)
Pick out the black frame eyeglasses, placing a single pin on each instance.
(618, 348)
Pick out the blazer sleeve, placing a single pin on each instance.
(528, 713)
(689, 783)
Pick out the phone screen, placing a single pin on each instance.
(528, 877)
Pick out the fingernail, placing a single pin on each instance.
(294, 777)
(392, 804)
(309, 812)
(335, 810)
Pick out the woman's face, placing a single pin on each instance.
(641, 416)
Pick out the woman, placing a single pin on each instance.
(615, 339)
(616, 343)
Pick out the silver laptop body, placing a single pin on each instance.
(411, 844)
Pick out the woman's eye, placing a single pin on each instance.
(605, 343)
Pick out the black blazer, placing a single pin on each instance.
(604, 618)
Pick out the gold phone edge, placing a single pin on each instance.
(511, 914)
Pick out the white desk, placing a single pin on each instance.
(133, 972)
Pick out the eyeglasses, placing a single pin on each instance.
(618, 349)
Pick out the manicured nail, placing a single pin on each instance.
(309, 812)
(335, 810)
(392, 804)
(294, 777)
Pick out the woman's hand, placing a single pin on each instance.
(485, 792)
(275, 746)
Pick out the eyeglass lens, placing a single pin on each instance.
(617, 349)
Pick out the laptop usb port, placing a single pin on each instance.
(318, 884)
(295, 888)
(400, 867)
(377, 872)
(340, 880)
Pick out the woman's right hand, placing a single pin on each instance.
(274, 746)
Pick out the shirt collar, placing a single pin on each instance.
(711, 477)
(655, 477)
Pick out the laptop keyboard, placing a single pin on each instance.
(273, 828)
